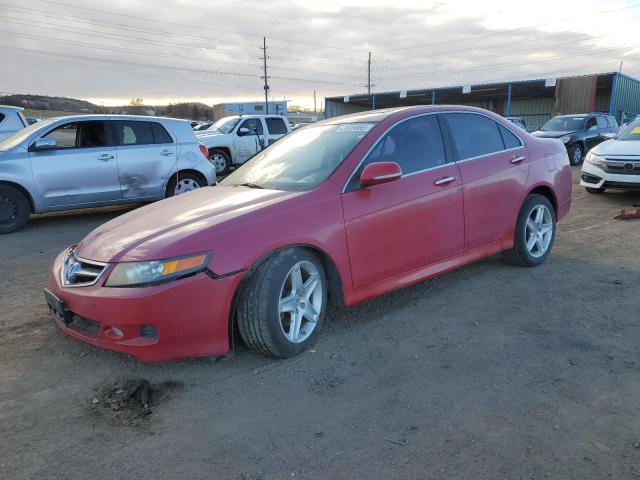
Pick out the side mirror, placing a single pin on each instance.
(380, 172)
(43, 144)
(610, 135)
(243, 131)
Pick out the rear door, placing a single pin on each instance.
(276, 128)
(414, 221)
(147, 154)
(81, 170)
(494, 165)
(592, 135)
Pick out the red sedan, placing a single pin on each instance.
(342, 211)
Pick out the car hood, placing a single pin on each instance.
(551, 133)
(618, 147)
(208, 133)
(175, 226)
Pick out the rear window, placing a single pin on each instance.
(276, 126)
(160, 134)
(140, 133)
(602, 123)
(510, 140)
(474, 135)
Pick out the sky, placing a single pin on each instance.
(168, 51)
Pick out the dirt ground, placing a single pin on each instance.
(488, 372)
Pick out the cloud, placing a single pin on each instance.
(188, 50)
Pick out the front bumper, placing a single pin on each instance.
(594, 177)
(180, 319)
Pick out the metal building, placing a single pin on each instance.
(534, 100)
(249, 108)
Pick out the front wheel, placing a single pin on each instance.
(575, 154)
(14, 209)
(182, 183)
(220, 160)
(535, 232)
(283, 303)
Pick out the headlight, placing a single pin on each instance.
(128, 274)
(593, 159)
(565, 139)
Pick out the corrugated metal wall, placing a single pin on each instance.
(626, 98)
(535, 111)
(334, 108)
(576, 95)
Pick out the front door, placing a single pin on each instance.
(81, 170)
(414, 221)
(147, 155)
(494, 164)
(247, 144)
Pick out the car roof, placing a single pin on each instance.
(10, 107)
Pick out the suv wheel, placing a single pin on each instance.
(14, 209)
(575, 154)
(220, 160)
(283, 303)
(182, 183)
(535, 232)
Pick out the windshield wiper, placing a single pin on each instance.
(250, 185)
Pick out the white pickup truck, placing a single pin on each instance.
(234, 140)
(11, 120)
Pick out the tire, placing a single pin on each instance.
(220, 160)
(14, 209)
(183, 182)
(594, 190)
(521, 254)
(575, 154)
(266, 328)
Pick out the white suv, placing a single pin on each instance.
(11, 120)
(92, 160)
(234, 140)
(614, 163)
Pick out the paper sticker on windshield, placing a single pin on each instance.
(636, 131)
(354, 127)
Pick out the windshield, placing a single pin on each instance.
(225, 125)
(631, 132)
(563, 124)
(301, 160)
(21, 135)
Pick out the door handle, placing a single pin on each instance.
(105, 157)
(166, 153)
(516, 160)
(444, 181)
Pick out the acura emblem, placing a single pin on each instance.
(72, 269)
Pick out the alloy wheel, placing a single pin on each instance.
(186, 185)
(538, 231)
(219, 162)
(300, 303)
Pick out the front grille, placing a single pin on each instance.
(78, 272)
(623, 166)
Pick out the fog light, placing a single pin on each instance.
(116, 332)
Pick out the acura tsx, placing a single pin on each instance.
(339, 211)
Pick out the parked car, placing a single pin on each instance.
(234, 140)
(11, 120)
(518, 121)
(91, 160)
(580, 132)
(202, 126)
(342, 210)
(32, 120)
(614, 163)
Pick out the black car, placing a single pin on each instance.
(580, 132)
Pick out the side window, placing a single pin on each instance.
(612, 121)
(160, 134)
(415, 144)
(253, 124)
(474, 135)
(509, 139)
(602, 123)
(591, 124)
(79, 135)
(276, 126)
(2, 116)
(133, 133)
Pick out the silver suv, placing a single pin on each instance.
(83, 161)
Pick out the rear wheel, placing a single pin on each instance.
(14, 209)
(283, 303)
(594, 190)
(184, 182)
(535, 232)
(220, 160)
(575, 154)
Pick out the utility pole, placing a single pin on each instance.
(266, 77)
(369, 75)
(314, 102)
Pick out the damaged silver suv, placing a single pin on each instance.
(84, 161)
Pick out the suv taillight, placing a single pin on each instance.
(204, 151)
